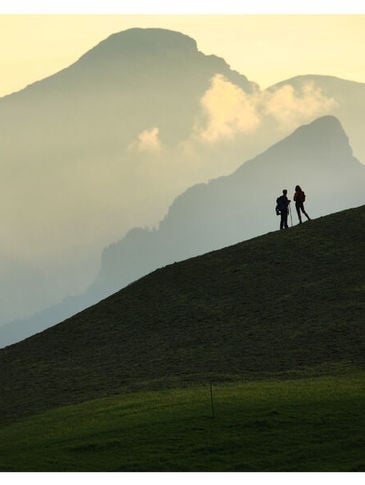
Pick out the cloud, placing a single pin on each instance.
(228, 111)
(291, 107)
(148, 141)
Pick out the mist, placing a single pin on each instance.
(109, 143)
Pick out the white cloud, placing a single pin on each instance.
(228, 110)
(148, 141)
(292, 107)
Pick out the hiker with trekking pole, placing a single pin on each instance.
(283, 209)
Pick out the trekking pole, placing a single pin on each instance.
(291, 218)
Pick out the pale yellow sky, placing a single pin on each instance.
(265, 48)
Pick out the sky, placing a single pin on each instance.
(267, 48)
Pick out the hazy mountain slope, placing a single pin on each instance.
(93, 150)
(348, 102)
(239, 206)
(18, 330)
(290, 301)
(224, 211)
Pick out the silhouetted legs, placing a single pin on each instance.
(300, 207)
(284, 219)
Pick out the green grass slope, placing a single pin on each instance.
(307, 425)
(290, 303)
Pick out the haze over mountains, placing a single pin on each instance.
(345, 101)
(237, 207)
(90, 152)
(225, 211)
(107, 144)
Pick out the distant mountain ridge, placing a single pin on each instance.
(349, 104)
(236, 207)
(289, 303)
(140, 48)
(136, 42)
(71, 150)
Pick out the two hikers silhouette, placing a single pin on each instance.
(283, 206)
(299, 198)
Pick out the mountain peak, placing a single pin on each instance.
(324, 139)
(329, 123)
(327, 132)
(137, 41)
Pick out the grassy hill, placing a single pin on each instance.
(287, 304)
(307, 425)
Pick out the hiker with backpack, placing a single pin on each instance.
(299, 198)
(282, 209)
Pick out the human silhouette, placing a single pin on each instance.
(299, 197)
(282, 208)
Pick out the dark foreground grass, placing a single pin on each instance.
(295, 425)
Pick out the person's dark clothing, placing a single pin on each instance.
(299, 198)
(284, 219)
(282, 207)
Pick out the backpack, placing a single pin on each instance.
(300, 196)
(280, 205)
